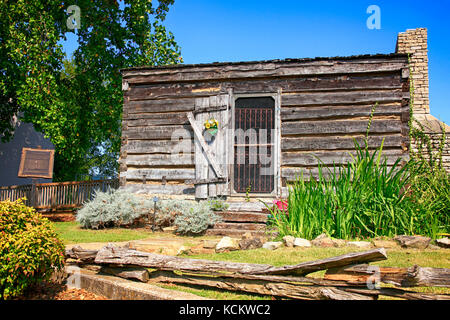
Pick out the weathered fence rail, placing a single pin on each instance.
(58, 195)
(347, 277)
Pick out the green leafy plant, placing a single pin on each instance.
(113, 208)
(30, 250)
(247, 192)
(196, 218)
(218, 204)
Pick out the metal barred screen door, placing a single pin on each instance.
(253, 145)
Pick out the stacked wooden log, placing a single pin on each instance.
(348, 277)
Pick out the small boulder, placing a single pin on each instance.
(443, 243)
(323, 241)
(413, 242)
(289, 241)
(226, 244)
(250, 243)
(339, 243)
(183, 250)
(210, 244)
(300, 242)
(388, 244)
(359, 244)
(272, 245)
(171, 229)
(247, 235)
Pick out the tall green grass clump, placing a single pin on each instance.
(369, 198)
(362, 199)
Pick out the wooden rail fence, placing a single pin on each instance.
(58, 195)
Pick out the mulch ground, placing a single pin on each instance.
(60, 217)
(56, 291)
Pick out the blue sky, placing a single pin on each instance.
(233, 30)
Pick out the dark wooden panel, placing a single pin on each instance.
(291, 174)
(161, 105)
(319, 83)
(157, 133)
(336, 98)
(174, 90)
(336, 143)
(158, 146)
(325, 112)
(169, 189)
(157, 119)
(304, 84)
(266, 69)
(330, 157)
(160, 174)
(160, 160)
(339, 127)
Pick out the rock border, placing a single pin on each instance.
(324, 241)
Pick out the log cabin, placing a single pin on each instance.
(275, 119)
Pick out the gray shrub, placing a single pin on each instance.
(112, 209)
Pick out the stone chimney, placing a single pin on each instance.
(414, 42)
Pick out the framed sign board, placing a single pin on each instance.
(36, 163)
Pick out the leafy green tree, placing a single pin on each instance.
(29, 60)
(78, 102)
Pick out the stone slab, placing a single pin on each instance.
(121, 289)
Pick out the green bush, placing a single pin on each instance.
(195, 218)
(30, 250)
(113, 208)
(429, 194)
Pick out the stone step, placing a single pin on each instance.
(236, 216)
(246, 206)
(240, 226)
(234, 232)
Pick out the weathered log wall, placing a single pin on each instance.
(325, 104)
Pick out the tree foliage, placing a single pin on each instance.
(77, 102)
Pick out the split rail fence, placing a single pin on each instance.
(347, 277)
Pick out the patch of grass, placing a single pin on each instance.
(71, 232)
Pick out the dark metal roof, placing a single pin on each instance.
(289, 60)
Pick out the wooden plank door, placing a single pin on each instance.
(211, 173)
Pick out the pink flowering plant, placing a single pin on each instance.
(279, 214)
(282, 206)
